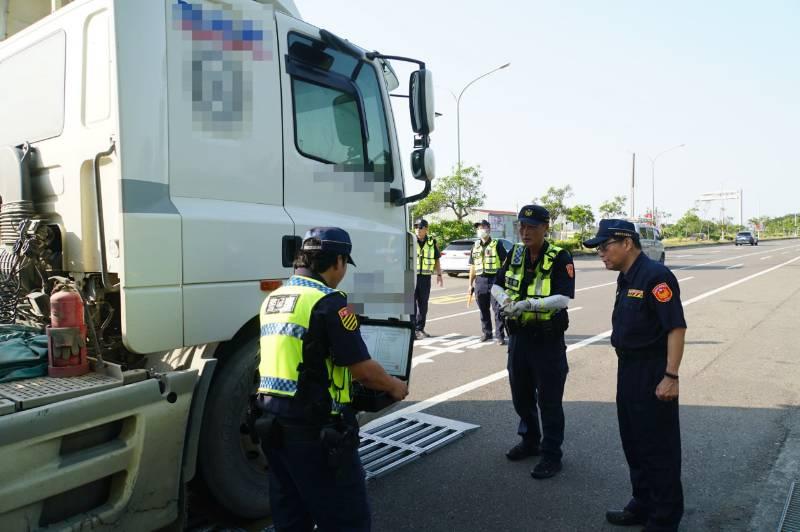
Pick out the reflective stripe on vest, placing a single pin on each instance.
(540, 284)
(425, 257)
(285, 316)
(485, 258)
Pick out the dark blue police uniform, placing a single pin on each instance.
(304, 488)
(483, 296)
(646, 309)
(422, 290)
(537, 361)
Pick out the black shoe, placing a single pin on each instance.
(546, 468)
(485, 337)
(419, 335)
(501, 341)
(522, 450)
(624, 518)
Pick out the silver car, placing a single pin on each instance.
(745, 237)
(650, 238)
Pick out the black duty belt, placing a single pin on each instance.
(643, 353)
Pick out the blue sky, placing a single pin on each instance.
(590, 82)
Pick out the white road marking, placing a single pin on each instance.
(733, 258)
(452, 315)
(576, 309)
(468, 387)
(740, 281)
(765, 258)
(685, 279)
(680, 256)
(734, 266)
(595, 286)
(456, 346)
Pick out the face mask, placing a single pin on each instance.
(483, 233)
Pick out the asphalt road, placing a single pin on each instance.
(739, 398)
(739, 415)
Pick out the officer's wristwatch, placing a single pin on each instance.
(670, 375)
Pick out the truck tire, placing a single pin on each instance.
(662, 258)
(233, 468)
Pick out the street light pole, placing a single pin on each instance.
(458, 111)
(653, 179)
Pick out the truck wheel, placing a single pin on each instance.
(233, 468)
(662, 258)
(452, 274)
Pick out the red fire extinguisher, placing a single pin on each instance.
(66, 334)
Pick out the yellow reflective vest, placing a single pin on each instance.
(285, 317)
(485, 258)
(540, 285)
(426, 257)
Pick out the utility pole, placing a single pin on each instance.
(633, 187)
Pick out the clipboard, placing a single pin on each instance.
(391, 344)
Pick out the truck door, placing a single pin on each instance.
(225, 160)
(340, 161)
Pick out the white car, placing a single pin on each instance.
(455, 257)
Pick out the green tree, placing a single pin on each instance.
(448, 230)
(554, 200)
(459, 192)
(583, 217)
(613, 208)
(689, 224)
(433, 202)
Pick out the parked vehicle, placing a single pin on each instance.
(650, 238)
(164, 158)
(455, 257)
(746, 237)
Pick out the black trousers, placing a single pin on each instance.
(304, 490)
(422, 293)
(651, 438)
(488, 306)
(537, 371)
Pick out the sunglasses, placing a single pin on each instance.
(604, 246)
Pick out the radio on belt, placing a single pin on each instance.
(390, 343)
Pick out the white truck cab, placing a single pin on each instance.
(166, 156)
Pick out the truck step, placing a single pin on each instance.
(30, 393)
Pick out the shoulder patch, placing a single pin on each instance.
(349, 320)
(662, 292)
(281, 304)
(571, 271)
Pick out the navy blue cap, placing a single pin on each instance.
(612, 228)
(421, 223)
(534, 215)
(482, 222)
(328, 240)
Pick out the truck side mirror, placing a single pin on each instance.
(423, 165)
(420, 101)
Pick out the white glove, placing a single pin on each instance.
(516, 309)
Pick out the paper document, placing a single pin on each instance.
(389, 346)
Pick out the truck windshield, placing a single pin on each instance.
(334, 96)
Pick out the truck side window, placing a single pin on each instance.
(643, 232)
(327, 124)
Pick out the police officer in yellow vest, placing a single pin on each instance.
(533, 288)
(487, 256)
(427, 265)
(311, 349)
